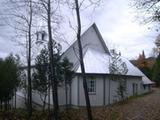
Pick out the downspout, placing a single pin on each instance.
(109, 87)
(78, 91)
(109, 91)
(104, 91)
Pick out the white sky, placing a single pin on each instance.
(121, 30)
(117, 24)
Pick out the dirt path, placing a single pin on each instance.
(143, 108)
(146, 107)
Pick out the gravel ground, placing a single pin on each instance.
(145, 107)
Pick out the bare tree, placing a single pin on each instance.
(78, 6)
(29, 59)
(53, 78)
(149, 12)
(148, 9)
(51, 20)
(82, 62)
(157, 42)
(154, 52)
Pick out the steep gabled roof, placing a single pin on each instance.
(146, 80)
(96, 55)
(97, 33)
(98, 63)
(95, 62)
(91, 38)
(101, 38)
(132, 70)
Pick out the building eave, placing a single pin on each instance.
(106, 74)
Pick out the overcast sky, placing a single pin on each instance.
(121, 29)
(118, 25)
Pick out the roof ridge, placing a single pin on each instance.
(101, 38)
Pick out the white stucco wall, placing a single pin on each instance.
(130, 82)
(102, 97)
(61, 97)
(74, 91)
(95, 99)
(110, 90)
(114, 85)
(20, 102)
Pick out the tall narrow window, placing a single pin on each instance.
(91, 83)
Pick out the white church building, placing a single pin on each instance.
(102, 88)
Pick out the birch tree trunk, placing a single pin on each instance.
(82, 63)
(29, 61)
(52, 70)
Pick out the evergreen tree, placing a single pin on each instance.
(68, 75)
(156, 71)
(142, 64)
(41, 75)
(10, 78)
